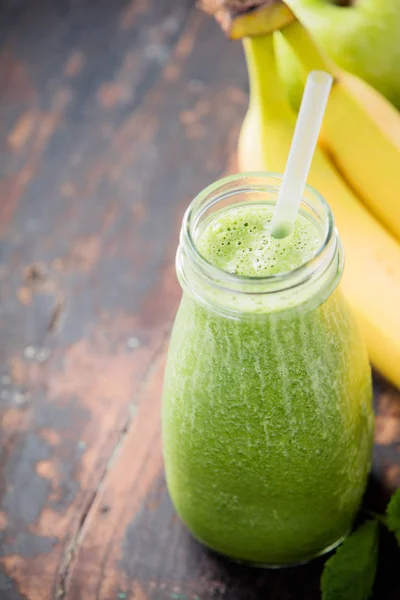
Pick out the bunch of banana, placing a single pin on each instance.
(357, 167)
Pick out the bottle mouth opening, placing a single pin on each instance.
(252, 188)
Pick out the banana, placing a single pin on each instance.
(371, 280)
(361, 133)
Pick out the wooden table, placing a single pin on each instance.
(110, 122)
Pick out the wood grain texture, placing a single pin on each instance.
(111, 120)
(95, 177)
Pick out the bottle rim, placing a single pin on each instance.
(251, 182)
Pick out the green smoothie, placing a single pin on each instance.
(267, 418)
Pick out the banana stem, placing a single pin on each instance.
(306, 49)
(266, 90)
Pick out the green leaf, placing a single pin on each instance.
(350, 573)
(393, 514)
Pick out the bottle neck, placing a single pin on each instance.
(236, 295)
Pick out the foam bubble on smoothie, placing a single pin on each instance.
(238, 240)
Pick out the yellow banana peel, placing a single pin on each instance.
(360, 132)
(371, 280)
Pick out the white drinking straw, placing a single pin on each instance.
(301, 153)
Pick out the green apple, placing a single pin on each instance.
(361, 36)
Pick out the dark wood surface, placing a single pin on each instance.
(113, 114)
